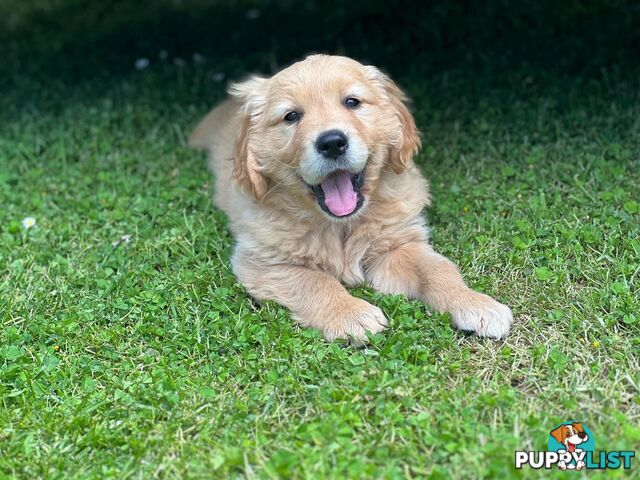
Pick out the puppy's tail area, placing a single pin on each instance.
(206, 133)
(202, 135)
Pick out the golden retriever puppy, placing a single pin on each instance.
(314, 169)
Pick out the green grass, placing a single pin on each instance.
(146, 358)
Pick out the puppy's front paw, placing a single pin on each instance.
(353, 320)
(482, 315)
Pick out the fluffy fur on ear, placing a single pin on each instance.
(408, 143)
(246, 166)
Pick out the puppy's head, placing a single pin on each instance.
(570, 435)
(320, 131)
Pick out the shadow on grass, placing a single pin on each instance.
(74, 41)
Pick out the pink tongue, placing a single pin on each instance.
(339, 196)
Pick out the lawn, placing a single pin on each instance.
(129, 350)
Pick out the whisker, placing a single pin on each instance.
(274, 187)
(273, 157)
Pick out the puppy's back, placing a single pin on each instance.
(216, 133)
(215, 124)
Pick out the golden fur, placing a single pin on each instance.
(289, 250)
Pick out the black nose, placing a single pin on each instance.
(582, 434)
(332, 144)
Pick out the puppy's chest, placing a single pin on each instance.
(334, 251)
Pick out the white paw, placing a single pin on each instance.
(354, 321)
(482, 315)
(580, 465)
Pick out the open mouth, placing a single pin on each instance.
(340, 193)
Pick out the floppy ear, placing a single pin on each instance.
(578, 427)
(408, 143)
(246, 167)
(558, 433)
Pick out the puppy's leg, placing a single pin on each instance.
(417, 271)
(316, 299)
(579, 463)
(564, 458)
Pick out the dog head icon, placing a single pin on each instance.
(570, 436)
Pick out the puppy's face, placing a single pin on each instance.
(321, 131)
(570, 435)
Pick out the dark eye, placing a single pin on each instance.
(292, 117)
(351, 102)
